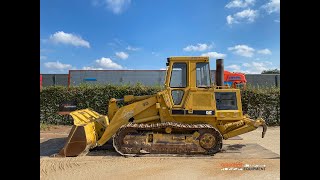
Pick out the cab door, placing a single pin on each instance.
(200, 99)
(178, 86)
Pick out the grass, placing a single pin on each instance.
(44, 126)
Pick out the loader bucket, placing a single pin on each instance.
(87, 129)
(76, 142)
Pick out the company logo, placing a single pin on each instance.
(234, 78)
(238, 166)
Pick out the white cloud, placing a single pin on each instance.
(130, 48)
(198, 47)
(57, 65)
(247, 16)
(240, 3)
(264, 51)
(163, 68)
(273, 6)
(122, 55)
(230, 19)
(276, 20)
(43, 57)
(107, 63)
(117, 6)
(252, 67)
(66, 38)
(233, 67)
(102, 64)
(242, 50)
(246, 65)
(258, 67)
(214, 55)
(267, 62)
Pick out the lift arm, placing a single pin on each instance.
(123, 116)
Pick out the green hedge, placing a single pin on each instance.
(263, 102)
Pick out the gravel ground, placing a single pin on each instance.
(109, 165)
(270, 141)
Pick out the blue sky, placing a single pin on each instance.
(141, 34)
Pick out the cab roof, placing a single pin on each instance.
(188, 58)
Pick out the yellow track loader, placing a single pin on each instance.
(191, 116)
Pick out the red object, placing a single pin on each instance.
(235, 78)
(40, 82)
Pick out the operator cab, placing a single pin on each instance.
(191, 92)
(189, 86)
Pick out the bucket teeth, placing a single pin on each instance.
(264, 130)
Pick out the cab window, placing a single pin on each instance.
(226, 100)
(178, 75)
(203, 75)
(177, 96)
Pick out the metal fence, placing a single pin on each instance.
(54, 80)
(117, 77)
(263, 80)
(145, 77)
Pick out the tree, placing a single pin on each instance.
(271, 71)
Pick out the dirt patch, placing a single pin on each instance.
(107, 164)
(109, 167)
(59, 129)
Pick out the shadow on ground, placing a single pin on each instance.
(245, 151)
(51, 146)
(54, 145)
(234, 147)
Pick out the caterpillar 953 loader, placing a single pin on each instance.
(191, 116)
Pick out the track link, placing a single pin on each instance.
(167, 138)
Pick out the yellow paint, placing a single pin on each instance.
(94, 124)
(158, 108)
(147, 119)
(123, 115)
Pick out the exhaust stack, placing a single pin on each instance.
(219, 72)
